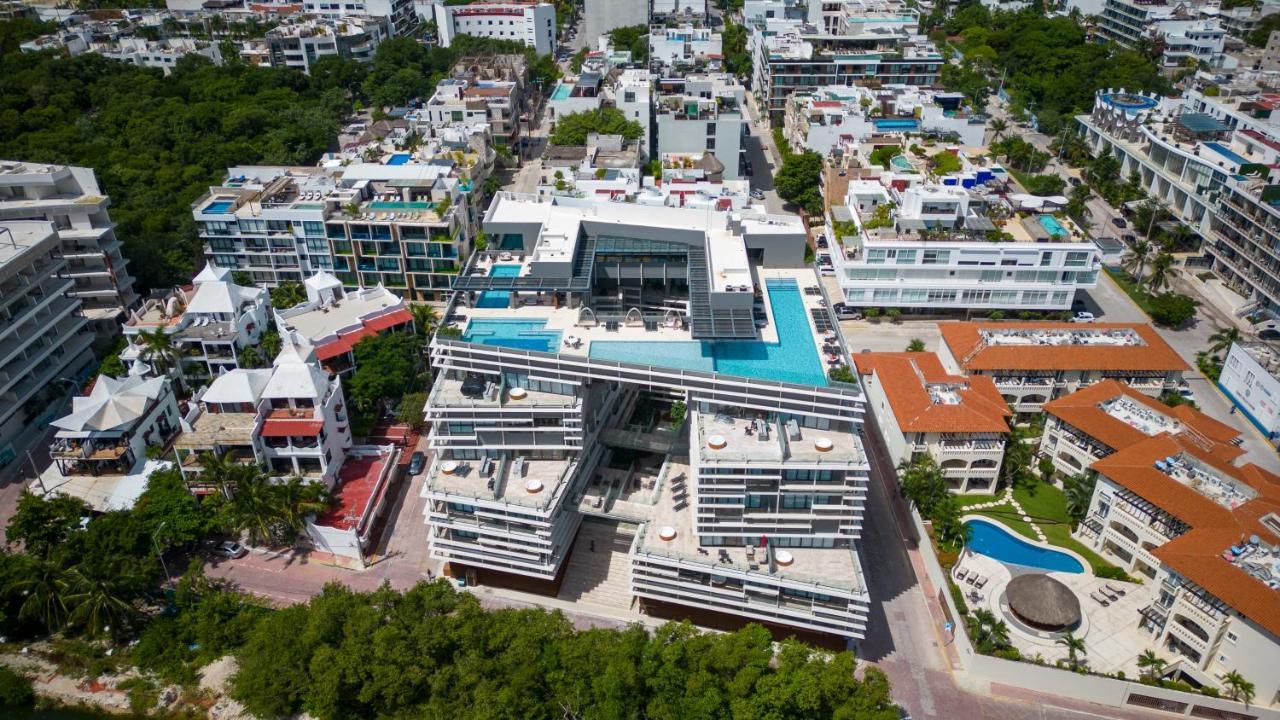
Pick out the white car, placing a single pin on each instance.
(1083, 317)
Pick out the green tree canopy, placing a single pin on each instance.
(634, 38)
(798, 179)
(572, 129)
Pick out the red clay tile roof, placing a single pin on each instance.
(1081, 410)
(966, 345)
(904, 377)
(1198, 554)
(280, 427)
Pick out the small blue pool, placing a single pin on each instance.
(219, 206)
(794, 358)
(889, 124)
(498, 299)
(987, 538)
(1052, 226)
(399, 159)
(520, 334)
(1226, 152)
(561, 92)
(900, 162)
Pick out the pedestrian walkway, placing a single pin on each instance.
(1007, 499)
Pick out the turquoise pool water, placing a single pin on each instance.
(896, 124)
(221, 206)
(497, 299)
(399, 159)
(995, 542)
(561, 92)
(521, 334)
(386, 205)
(900, 162)
(1051, 224)
(794, 358)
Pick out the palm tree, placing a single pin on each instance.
(43, 586)
(1151, 664)
(1161, 272)
(1135, 261)
(159, 350)
(248, 358)
(916, 345)
(1078, 490)
(287, 294)
(252, 507)
(998, 127)
(1222, 340)
(1075, 648)
(294, 500)
(269, 344)
(98, 604)
(425, 318)
(1078, 205)
(1238, 688)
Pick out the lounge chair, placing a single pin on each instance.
(961, 573)
(1117, 590)
(1101, 601)
(982, 580)
(972, 578)
(1108, 594)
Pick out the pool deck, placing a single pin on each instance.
(565, 320)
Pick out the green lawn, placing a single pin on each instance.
(1047, 506)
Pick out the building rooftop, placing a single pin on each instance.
(516, 479)
(19, 238)
(1118, 416)
(334, 326)
(112, 406)
(1233, 516)
(1059, 346)
(723, 438)
(925, 398)
(836, 568)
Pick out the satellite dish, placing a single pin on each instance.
(1254, 540)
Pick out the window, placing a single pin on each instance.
(885, 295)
(876, 256)
(991, 276)
(937, 257)
(906, 257)
(1232, 637)
(914, 296)
(1046, 259)
(1077, 259)
(936, 296)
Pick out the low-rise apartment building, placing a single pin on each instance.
(1096, 421)
(585, 377)
(1179, 31)
(44, 338)
(333, 321)
(69, 198)
(399, 14)
(789, 56)
(162, 54)
(299, 44)
(99, 450)
(500, 103)
(1206, 535)
(1032, 363)
(406, 222)
(920, 408)
(930, 246)
(212, 324)
(827, 118)
(607, 166)
(679, 49)
(531, 23)
(703, 114)
(1250, 378)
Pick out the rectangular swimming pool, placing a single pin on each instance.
(220, 206)
(498, 299)
(794, 358)
(399, 159)
(890, 124)
(561, 92)
(1052, 226)
(389, 205)
(519, 334)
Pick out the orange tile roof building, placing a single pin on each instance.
(1205, 535)
(1096, 421)
(921, 408)
(1034, 362)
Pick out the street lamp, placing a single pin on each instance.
(159, 554)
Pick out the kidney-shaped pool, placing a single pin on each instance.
(988, 538)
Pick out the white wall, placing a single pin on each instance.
(1255, 390)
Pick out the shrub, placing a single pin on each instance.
(957, 596)
(843, 374)
(15, 689)
(1111, 572)
(1171, 309)
(893, 314)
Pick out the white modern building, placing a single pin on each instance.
(677, 49)
(936, 246)
(1205, 535)
(162, 54)
(299, 44)
(99, 451)
(700, 114)
(590, 379)
(211, 324)
(333, 320)
(828, 117)
(44, 337)
(1251, 379)
(962, 423)
(531, 23)
(69, 197)
(400, 14)
(606, 167)
(1182, 32)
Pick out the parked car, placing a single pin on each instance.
(416, 463)
(1129, 237)
(821, 243)
(757, 194)
(1185, 391)
(846, 312)
(1083, 317)
(1119, 222)
(228, 549)
(1269, 334)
